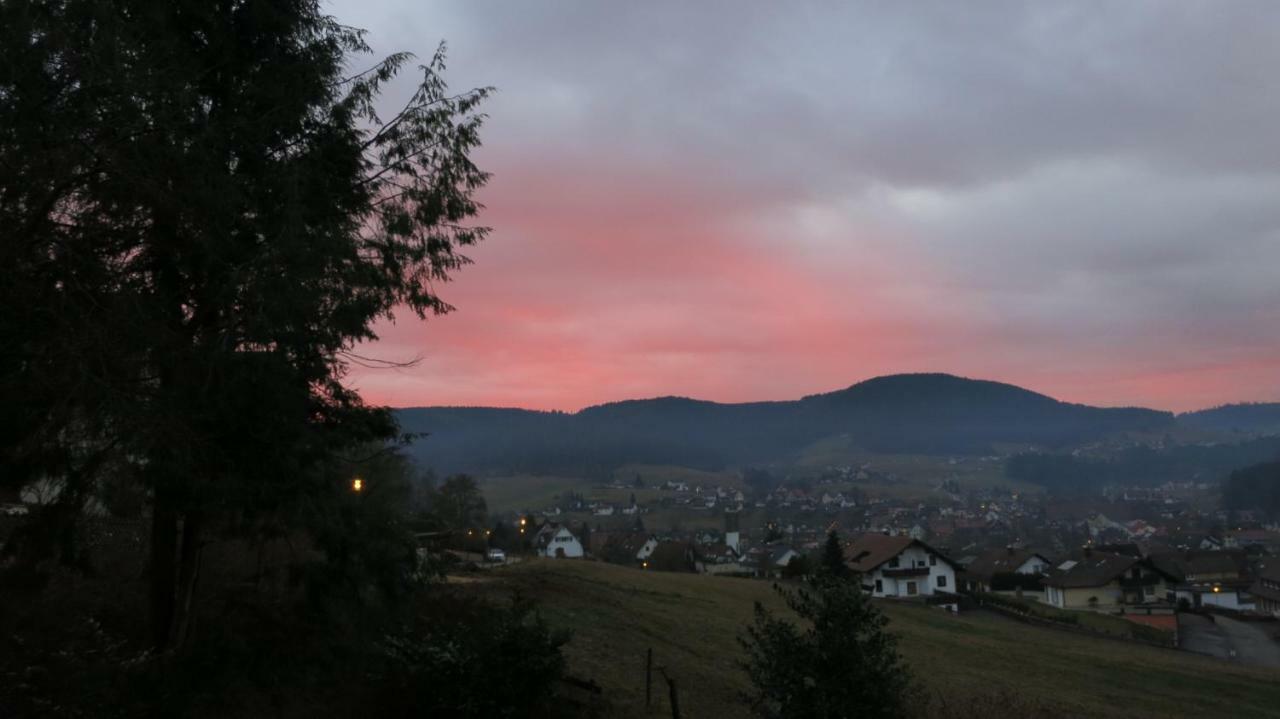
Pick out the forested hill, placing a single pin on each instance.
(918, 413)
(1248, 418)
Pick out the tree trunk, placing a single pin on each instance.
(188, 575)
(163, 571)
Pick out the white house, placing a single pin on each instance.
(900, 566)
(555, 540)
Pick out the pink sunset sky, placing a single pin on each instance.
(745, 202)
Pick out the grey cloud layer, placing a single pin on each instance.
(1093, 173)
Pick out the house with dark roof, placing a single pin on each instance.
(900, 566)
(716, 558)
(1103, 580)
(624, 547)
(1218, 578)
(769, 560)
(670, 556)
(1265, 589)
(1008, 571)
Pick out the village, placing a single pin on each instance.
(1154, 564)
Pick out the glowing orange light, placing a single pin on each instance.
(357, 484)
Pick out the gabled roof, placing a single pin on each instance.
(1097, 569)
(1001, 561)
(1267, 585)
(714, 552)
(777, 553)
(671, 557)
(1200, 562)
(1094, 570)
(869, 551)
(547, 531)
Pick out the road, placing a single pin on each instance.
(1229, 639)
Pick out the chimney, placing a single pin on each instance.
(1009, 548)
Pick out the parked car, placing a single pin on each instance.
(495, 555)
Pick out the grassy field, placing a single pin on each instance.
(532, 492)
(535, 492)
(917, 477)
(917, 473)
(691, 621)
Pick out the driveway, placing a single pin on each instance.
(1229, 639)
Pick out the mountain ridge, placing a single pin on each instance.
(925, 413)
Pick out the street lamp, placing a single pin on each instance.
(357, 485)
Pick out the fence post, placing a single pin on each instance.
(675, 698)
(648, 679)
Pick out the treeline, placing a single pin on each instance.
(1247, 418)
(1071, 474)
(1255, 488)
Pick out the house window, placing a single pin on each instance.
(1149, 591)
(911, 589)
(933, 561)
(893, 563)
(879, 587)
(942, 580)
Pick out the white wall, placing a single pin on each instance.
(563, 539)
(1034, 565)
(926, 585)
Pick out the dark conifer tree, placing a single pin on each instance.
(203, 215)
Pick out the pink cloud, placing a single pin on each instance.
(608, 281)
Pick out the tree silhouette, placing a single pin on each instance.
(203, 215)
(840, 663)
(833, 557)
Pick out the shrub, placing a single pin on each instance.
(463, 658)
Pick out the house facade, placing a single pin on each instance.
(1101, 580)
(555, 540)
(900, 567)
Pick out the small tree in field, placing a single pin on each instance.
(833, 557)
(840, 663)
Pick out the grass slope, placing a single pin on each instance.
(691, 621)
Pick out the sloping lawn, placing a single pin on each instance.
(691, 622)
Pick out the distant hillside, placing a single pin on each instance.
(1248, 418)
(919, 413)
